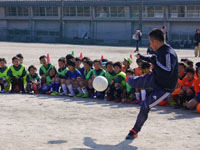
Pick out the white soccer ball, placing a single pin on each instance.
(100, 83)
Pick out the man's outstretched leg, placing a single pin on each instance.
(156, 97)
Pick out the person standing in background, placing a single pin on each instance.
(137, 37)
(164, 30)
(197, 43)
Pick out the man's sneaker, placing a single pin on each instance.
(132, 135)
(85, 96)
(79, 95)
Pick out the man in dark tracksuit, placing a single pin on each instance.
(163, 78)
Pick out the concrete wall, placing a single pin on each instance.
(18, 24)
(46, 25)
(77, 29)
(2, 12)
(113, 31)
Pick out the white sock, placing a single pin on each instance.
(143, 94)
(84, 89)
(137, 94)
(80, 90)
(71, 89)
(64, 88)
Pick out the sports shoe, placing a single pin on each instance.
(54, 93)
(3, 91)
(71, 95)
(109, 98)
(118, 100)
(85, 96)
(79, 95)
(132, 135)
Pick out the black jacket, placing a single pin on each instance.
(165, 69)
(196, 39)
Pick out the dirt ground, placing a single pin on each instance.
(43, 122)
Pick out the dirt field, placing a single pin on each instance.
(42, 122)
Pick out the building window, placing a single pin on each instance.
(152, 12)
(45, 11)
(112, 11)
(193, 11)
(134, 11)
(102, 11)
(81, 11)
(177, 11)
(17, 11)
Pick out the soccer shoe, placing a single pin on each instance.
(92, 95)
(118, 100)
(109, 98)
(71, 95)
(132, 135)
(79, 95)
(3, 91)
(85, 96)
(54, 93)
(100, 95)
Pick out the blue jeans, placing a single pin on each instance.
(153, 99)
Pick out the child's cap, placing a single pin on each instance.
(129, 60)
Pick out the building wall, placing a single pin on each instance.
(77, 29)
(113, 31)
(104, 28)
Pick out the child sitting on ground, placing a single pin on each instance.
(17, 73)
(4, 78)
(33, 80)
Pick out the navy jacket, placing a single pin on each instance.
(165, 69)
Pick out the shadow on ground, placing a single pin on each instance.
(57, 142)
(92, 145)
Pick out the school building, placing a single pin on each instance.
(98, 21)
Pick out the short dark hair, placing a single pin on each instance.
(89, 62)
(104, 60)
(182, 64)
(42, 57)
(71, 63)
(129, 71)
(31, 66)
(3, 59)
(69, 57)
(97, 60)
(157, 34)
(190, 70)
(62, 59)
(118, 64)
(15, 57)
(77, 59)
(145, 65)
(85, 58)
(20, 56)
(109, 63)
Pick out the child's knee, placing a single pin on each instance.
(68, 82)
(63, 81)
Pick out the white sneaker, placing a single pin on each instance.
(63, 94)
